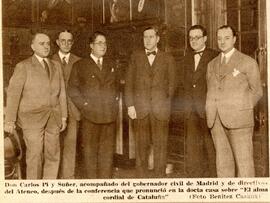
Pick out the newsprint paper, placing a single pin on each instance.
(133, 190)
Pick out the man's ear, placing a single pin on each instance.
(32, 47)
(58, 42)
(204, 39)
(158, 38)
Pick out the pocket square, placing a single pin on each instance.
(235, 72)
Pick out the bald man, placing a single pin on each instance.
(36, 102)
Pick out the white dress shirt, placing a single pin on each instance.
(227, 55)
(40, 59)
(96, 59)
(151, 57)
(61, 55)
(197, 58)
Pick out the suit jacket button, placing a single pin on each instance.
(193, 85)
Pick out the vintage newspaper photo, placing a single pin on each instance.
(134, 101)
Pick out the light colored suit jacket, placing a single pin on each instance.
(72, 109)
(233, 90)
(150, 88)
(32, 97)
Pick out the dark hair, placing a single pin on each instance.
(155, 28)
(227, 27)
(95, 35)
(65, 30)
(198, 27)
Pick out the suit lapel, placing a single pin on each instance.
(216, 66)
(109, 69)
(156, 61)
(146, 65)
(39, 67)
(229, 66)
(201, 66)
(95, 69)
(69, 65)
(51, 68)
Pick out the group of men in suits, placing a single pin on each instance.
(48, 96)
(36, 102)
(220, 91)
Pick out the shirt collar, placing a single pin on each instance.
(228, 55)
(200, 49)
(61, 55)
(156, 50)
(40, 59)
(96, 58)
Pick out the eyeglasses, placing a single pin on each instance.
(196, 38)
(100, 43)
(69, 42)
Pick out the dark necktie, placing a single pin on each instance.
(151, 52)
(64, 63)
(99, 64)
(200, 53)
(46, 66)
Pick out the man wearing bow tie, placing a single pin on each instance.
(150, 84)
(93, 87)
(69, 136)
(200, 152)
(233, 89)
(36, 102)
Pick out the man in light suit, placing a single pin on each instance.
(200, 150)
(234, 88)
(69, 136)
(93, 87)
(150, 84)
(36, 102)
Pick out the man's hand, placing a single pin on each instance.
(132, 112)
(9, 127)
(64, 124)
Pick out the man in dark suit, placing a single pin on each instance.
(150, 84)
(69, 136)
(93, 89)
(36, 102)
(200, 151)
(233, 89)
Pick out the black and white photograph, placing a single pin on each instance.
(135, 101)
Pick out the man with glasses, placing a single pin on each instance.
(69, 136)
(93, 87)
(200, 152)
